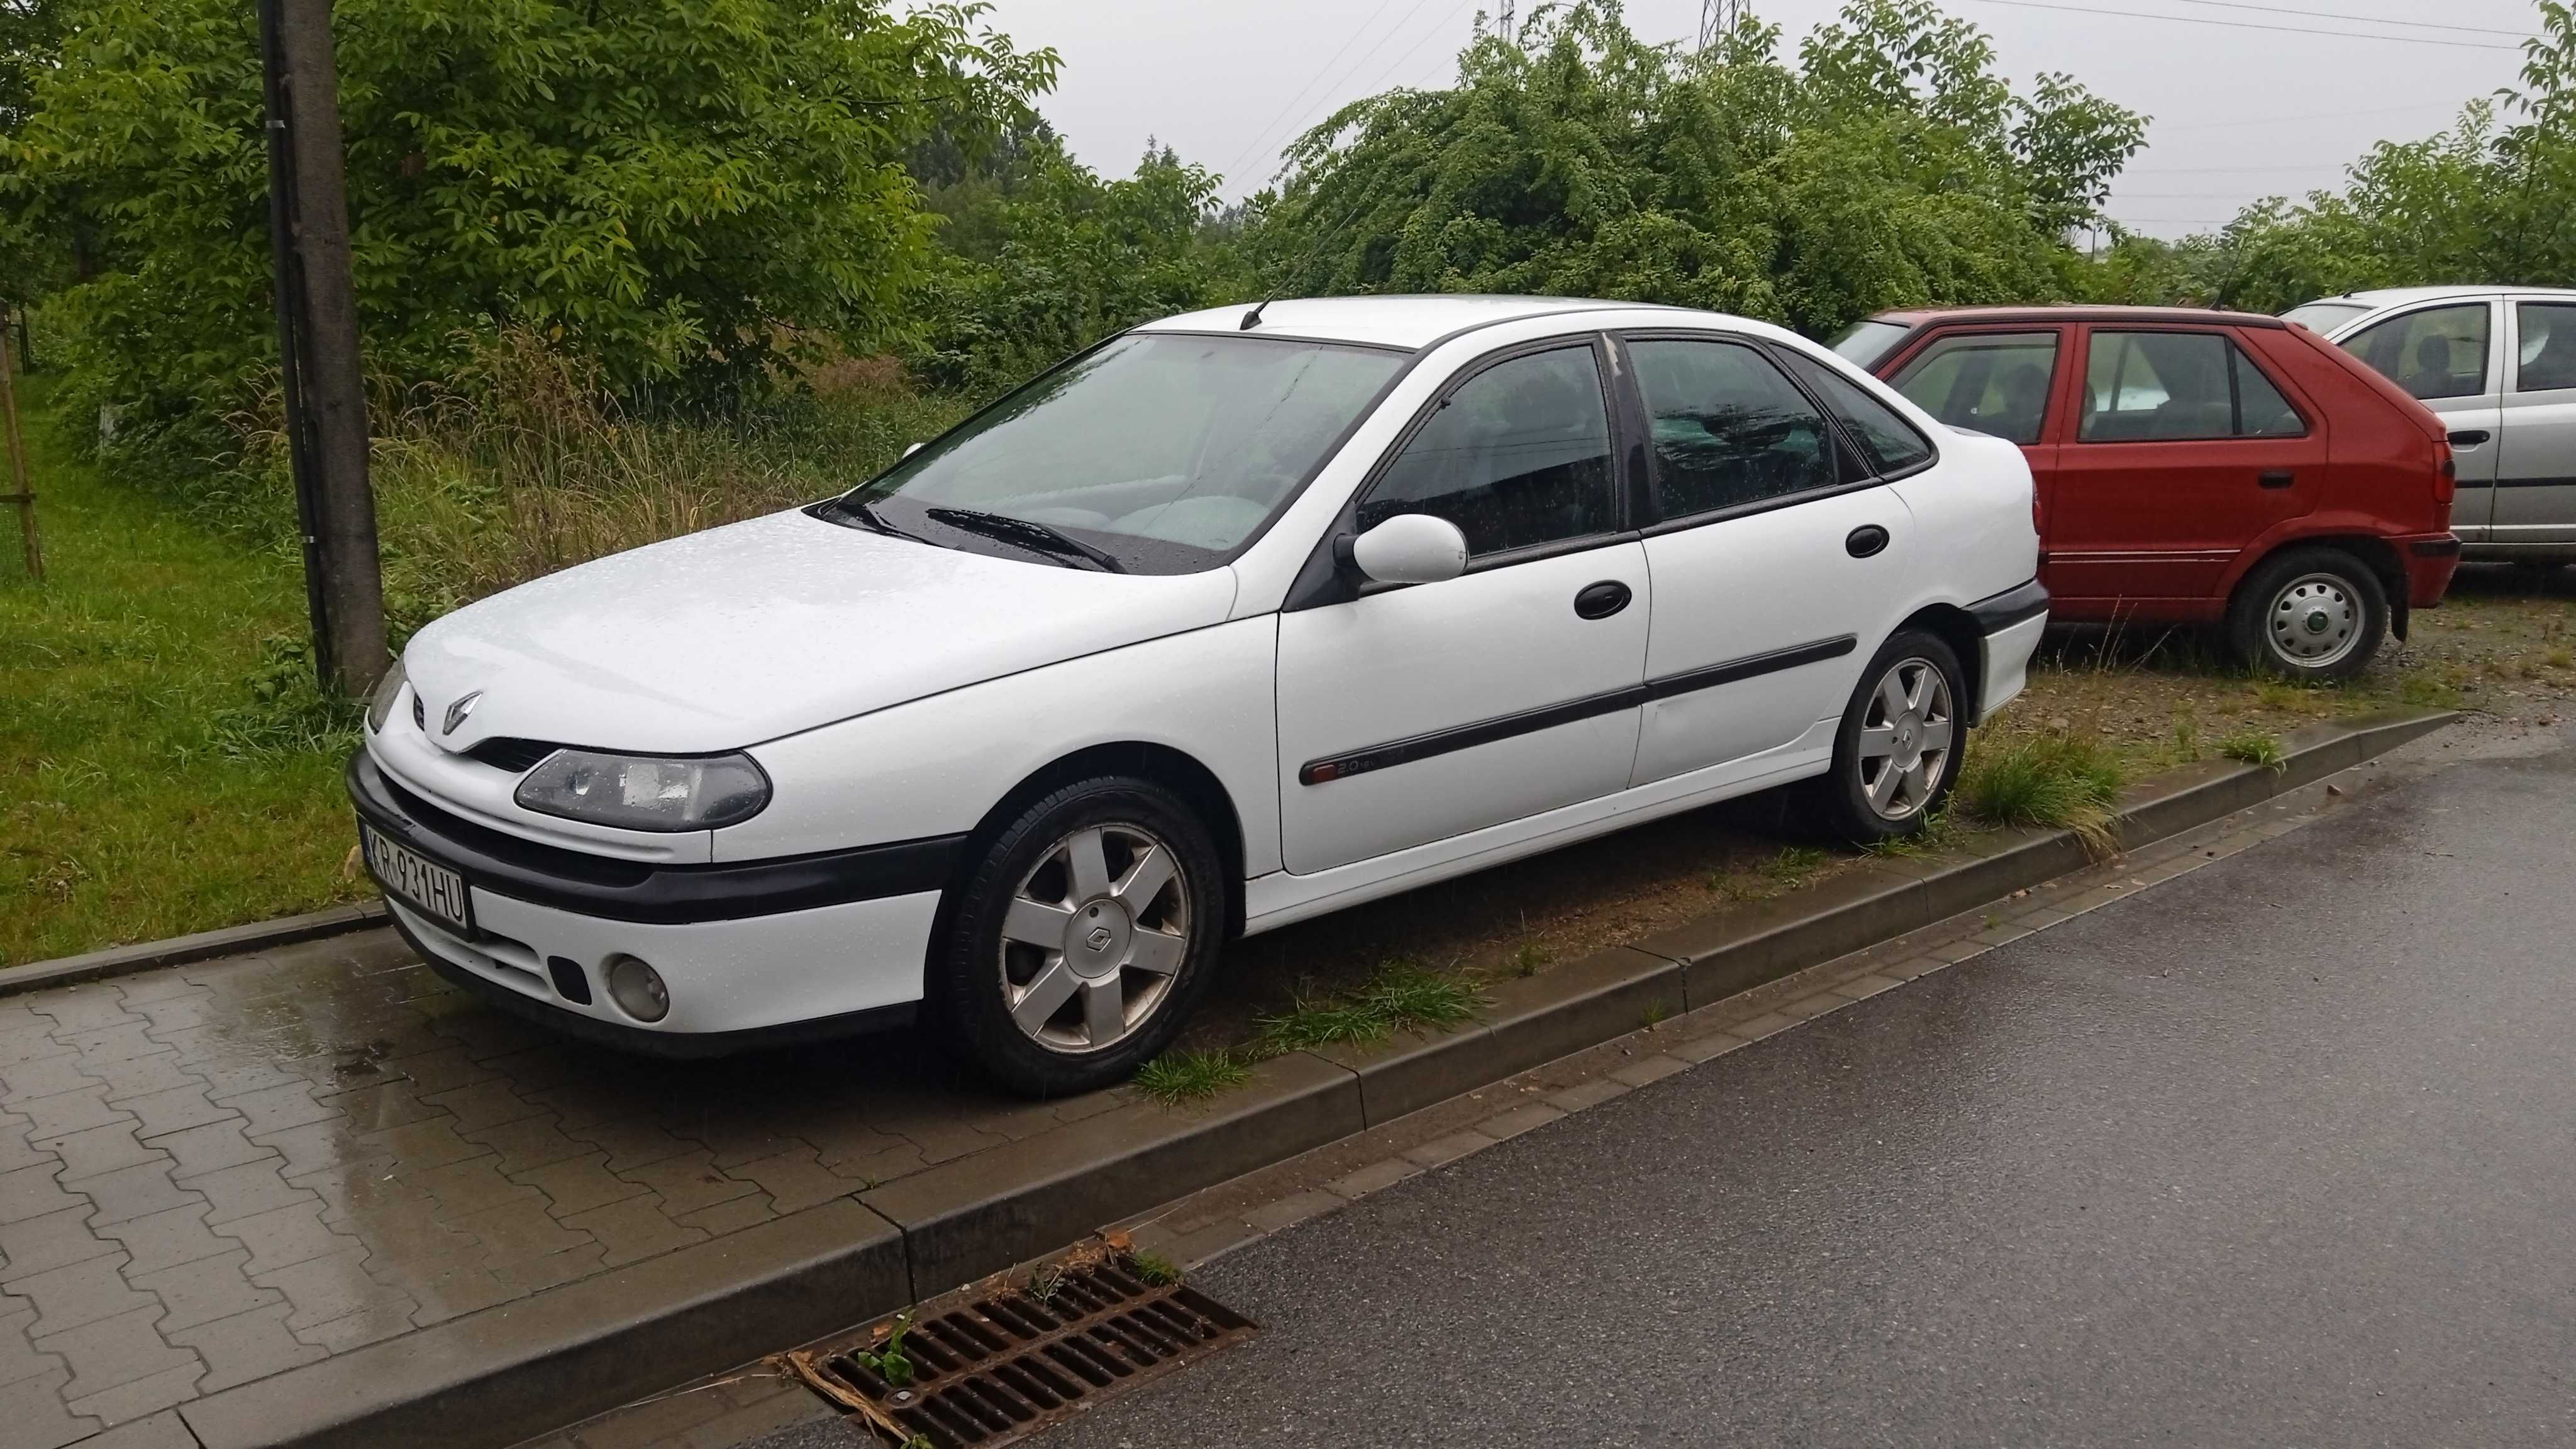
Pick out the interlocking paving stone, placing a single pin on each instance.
(245, 1189)
(202, 1149)
(638, 1227)
(79, 1293)
(133, 1192)
(18, 1357)
(579, 1184)
(52, 1240)
(166, 1239)
(34, 1416)
(118, 1349)
(203, 1290)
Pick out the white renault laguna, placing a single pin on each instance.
(1237, 618)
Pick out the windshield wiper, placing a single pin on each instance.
(1027, 533)
(864, 513)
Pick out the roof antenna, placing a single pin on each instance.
(1252, 318)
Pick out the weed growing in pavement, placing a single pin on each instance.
(1530, 958)
(2560, 658)
(1176, 1078)
(2053, 780)
(1155, 1269)
(888, 1359)
(1655, 1013)
(2256, 747)
(1402, 996)
(1044, 1284)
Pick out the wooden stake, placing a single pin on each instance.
(25, 497)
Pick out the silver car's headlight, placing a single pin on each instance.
(639, 792)
(381, 708)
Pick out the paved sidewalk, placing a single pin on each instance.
(213, 1173)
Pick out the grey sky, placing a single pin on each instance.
(2239, 112)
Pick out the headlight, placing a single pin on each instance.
(642, 793)
(381, 708)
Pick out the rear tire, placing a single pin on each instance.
(2311, 615)
(1902, 737)
(1083, 937)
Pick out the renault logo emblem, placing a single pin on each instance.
(1099, 938)
(460, 711)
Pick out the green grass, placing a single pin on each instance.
(2256, 747)
(1530, 959)
(1178, 1078)
(146, 789)
(1155, 1269)
(2429, 691)
(2054, 780)
(1402, 996)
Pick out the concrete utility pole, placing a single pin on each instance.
(25, 494)
(317, 344)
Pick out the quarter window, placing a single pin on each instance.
(2173, 386)
(1890, 442)
(2438, 352)
(1729, 429)
(2548, 349)
(1518, 455)
(1993, 383)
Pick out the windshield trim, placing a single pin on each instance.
(1287, 501)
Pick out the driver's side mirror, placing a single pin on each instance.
(1410, 548)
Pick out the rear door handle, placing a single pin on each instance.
(2276, 478)
(1865, 540)
(1601, 600)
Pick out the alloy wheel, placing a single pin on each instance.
(2313, 622)
(1906, 735)
(1094, 937)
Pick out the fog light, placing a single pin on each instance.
(638, 989)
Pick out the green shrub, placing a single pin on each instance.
(2054, 780)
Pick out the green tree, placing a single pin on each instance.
(674, 192)
(1890, 166)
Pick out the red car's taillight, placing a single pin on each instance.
(2446, 481)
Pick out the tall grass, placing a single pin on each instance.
(526, 464)
(2056, 780)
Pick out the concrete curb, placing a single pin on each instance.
(181, 950)
(519, 1370)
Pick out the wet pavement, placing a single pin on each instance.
(2277, 1152)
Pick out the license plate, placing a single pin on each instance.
(415, 880)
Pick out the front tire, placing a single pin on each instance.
(1902, 737)
(1083, 937)
(2308, 614)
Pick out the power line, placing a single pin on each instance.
(1262, 137)
(2361, 19)
(2247, 25)
(2313, 116)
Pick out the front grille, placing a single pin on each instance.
(1006, 1366)
(510, 849)
(514, 755)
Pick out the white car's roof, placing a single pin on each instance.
(2400, 296)
(1410, 321)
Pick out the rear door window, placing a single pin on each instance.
(1729, 429)
(2177, 386)
(1986, 382)
(1888, 441)
(2548, 350)
(2436, 353)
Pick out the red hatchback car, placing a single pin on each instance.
(2199, 468)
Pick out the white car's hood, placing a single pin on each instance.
(765, 628)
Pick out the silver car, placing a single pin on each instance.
(2499, 365)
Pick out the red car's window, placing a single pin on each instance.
(2177, 386)
(1988, 382)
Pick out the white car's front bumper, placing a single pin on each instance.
(748, 953)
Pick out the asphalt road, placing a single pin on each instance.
(2280, 1153)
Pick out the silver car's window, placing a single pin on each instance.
(1164, 451)
(1518, 455)
(2548, 349)
(2324, 316)
(1988, 382)
(2438, 352)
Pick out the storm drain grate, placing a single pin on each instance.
(1008, 1365)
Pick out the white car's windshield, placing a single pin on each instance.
(1158, 453)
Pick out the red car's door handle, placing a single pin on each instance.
(2277, 478)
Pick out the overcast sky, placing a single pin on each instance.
(2241, 111)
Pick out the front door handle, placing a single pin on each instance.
(2469, 437)
(1601, 600)
(2276, 478)
(1865, 540)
